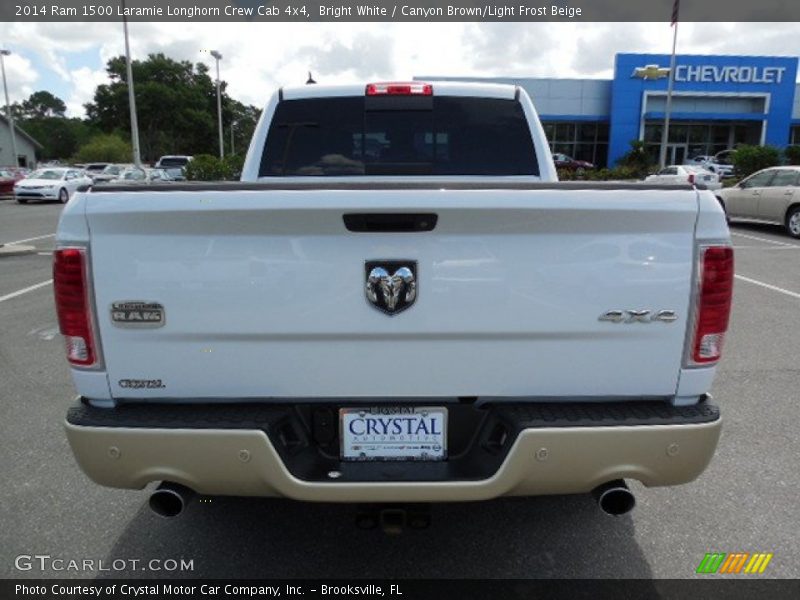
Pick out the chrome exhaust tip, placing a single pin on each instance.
(170, 499)
(614, 498)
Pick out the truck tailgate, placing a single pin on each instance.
(264, 292)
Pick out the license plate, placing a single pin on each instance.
(393, 433)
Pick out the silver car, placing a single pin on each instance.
(770, 196)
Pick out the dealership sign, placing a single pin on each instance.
(714, 73)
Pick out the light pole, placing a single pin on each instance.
(218, 57)
(137, 159)
(3, 54)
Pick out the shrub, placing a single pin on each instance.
(205, 167)
(636, 161)
(615, 174)
(749, 159)
(792, 154)
(105, 148)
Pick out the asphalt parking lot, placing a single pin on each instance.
(747, 501)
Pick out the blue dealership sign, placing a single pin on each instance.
(714, 89)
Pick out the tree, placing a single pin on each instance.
(39, 105)
(42, 116)
(176, 107)
(792, 154)
(105, 148)
(749, 159)
(636, 160)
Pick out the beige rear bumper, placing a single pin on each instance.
(559, 460)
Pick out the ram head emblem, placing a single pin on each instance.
(391, 286)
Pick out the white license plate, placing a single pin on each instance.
(393, 433)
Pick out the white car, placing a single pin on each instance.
(711, 163)
(55, 183)
(143, 175)
(686, 174)
(173, 160)
(111, 172)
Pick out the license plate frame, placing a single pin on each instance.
(381, 442)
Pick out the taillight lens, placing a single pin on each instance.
(73, 306)
(691, 178)
(413, 88)
(713, 303)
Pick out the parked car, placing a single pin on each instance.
(57, 183)
(686, 174)
(563, 161)
(8, 177)
(771, 196)
(173, 160)
(95, 168)
(177, 173)
(111, 171)
(143, 175)
(448, 326)
(710, 163)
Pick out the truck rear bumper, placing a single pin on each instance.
(549, 449)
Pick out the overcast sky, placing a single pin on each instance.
(68, 59)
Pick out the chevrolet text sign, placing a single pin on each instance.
(729, 74)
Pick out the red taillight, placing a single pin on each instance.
(691, 178)
(413, 88)
(72, 305)
(713, 304)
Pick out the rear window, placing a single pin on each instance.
(173, 161)
(398, 136)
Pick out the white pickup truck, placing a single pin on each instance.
(398, 303)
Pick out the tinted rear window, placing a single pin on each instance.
(175, 161)
(398, 136)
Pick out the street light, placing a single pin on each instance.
(3, 54)
(218, 57)
(137, 159)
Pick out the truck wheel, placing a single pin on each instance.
(63, 196)
(793, 222)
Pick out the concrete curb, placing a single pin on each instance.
(15, 250)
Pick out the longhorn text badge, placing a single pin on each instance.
(391, 285)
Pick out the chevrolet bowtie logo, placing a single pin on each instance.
(650, 72)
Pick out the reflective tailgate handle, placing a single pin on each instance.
(390, 222)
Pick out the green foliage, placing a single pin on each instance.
(206, 167)
(749, 159)
(792, 154)
(105, 148)
(233, 167)
(59, 136)
(176, 107)
(39, 105)
(636, 161)
(615, 174)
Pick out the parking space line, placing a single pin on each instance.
(25, 291)
(774, 288)
(41, 237)
(761, 239)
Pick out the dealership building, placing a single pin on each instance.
(717, 103)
